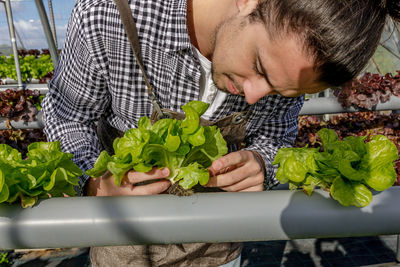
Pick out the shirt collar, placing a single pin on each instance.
(177, 36)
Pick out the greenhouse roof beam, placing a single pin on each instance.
(204, 217)
(390, 51)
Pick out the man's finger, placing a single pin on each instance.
(232, 159)
(135, 177)
(254, 183)
(234, 176)
(224, 179)
(148, 189)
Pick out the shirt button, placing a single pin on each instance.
(189, 78)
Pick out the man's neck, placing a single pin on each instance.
(203, 17)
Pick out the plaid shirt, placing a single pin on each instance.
(98, 74)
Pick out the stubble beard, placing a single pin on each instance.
(217, 76)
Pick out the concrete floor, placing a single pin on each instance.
(361, 251)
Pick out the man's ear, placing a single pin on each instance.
(246, 6)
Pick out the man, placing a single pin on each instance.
(264, 53)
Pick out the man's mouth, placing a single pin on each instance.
(231, 87)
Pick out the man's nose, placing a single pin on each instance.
(255, 89)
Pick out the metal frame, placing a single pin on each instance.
(47, 30)
(11, 30)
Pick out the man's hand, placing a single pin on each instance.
(105, 186)
(237, 171)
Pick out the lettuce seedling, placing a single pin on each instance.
(183, 146)
(347, 168)
(46, 172)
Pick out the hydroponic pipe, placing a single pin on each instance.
(13, 42)
(204, 217)
(330, 105)
(47, 31)
(41, 87)
(314, 106)
(21, 124)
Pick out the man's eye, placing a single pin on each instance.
(255, 68)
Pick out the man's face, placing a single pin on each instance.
(246, 61)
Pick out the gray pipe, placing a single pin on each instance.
(330, 105)
(41, 87)
(206, 217)
(313, 106)
(37, 124)
(13, 42)
(47, 31)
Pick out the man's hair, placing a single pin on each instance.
(340, 35)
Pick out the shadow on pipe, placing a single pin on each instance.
(334, 220)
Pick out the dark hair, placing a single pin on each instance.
(341, 35)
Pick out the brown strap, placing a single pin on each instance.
(131, 31)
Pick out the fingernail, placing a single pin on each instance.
(165, 171)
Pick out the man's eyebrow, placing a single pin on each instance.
(264, 71)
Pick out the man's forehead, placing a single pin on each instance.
(287, 63)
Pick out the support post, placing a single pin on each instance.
(47, 31)
(13, 42)
(396, 35)
(52, 23)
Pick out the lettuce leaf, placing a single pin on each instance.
(381, 178)
(47, 171)
(350, 193)
(184, 146)
(347, 168)
(295, 164)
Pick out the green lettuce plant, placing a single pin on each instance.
(184, 146)
(46, 172)
(347, 168)
(30, 67)
(4, 259)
